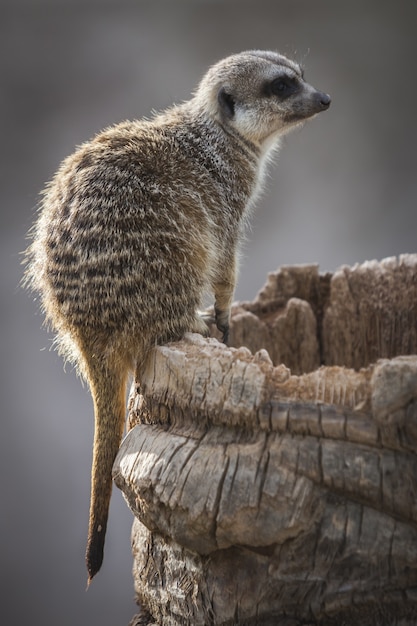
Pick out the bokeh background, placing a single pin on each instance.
(343, 190)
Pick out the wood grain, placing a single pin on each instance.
(268, 496)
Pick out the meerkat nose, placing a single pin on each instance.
(325, 100)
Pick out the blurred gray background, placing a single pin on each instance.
(343, 190)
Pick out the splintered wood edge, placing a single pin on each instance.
(235, 387)
(212, 375)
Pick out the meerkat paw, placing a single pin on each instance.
(214, 317)
(223, 323)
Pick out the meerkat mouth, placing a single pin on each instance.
(319, 102)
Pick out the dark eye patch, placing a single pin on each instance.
(282, 86)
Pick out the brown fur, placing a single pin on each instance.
(143, 219)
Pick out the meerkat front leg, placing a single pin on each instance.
(223, 322)
(224, 289)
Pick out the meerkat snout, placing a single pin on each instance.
(325, 99)
(309, 102)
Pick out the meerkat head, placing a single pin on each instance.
(260, 94)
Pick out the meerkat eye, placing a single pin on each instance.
(283, 86)
(278, 86)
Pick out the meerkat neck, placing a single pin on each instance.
(196, 111)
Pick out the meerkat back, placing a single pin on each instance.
(144, 219)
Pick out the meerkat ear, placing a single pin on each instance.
(226, 102)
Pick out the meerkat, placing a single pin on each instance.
(146, 217)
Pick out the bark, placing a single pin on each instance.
(267, 493)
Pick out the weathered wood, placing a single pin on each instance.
(264, 497)
(360, 314)
(372, 312)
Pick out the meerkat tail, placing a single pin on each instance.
(108, 388)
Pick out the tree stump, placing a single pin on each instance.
(275, 481)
